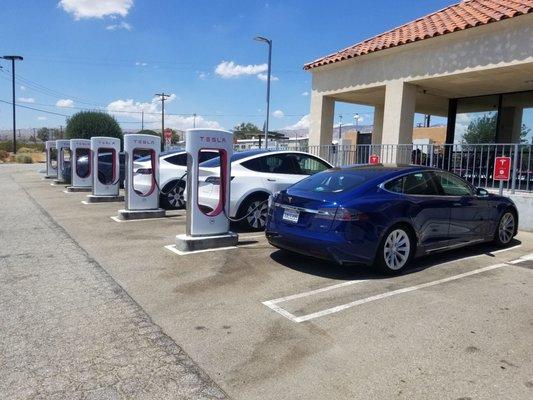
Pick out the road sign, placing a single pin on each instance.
(502, 169)
(373, 159)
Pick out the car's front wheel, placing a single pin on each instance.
(254, 213)
(172, 196)
(395, 250)
(506, 229)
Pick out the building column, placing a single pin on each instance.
(321, 120)
(377, 129)
(398, 121)
(510, 125)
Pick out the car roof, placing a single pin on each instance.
(381, 171)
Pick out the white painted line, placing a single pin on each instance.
(251, 236)
(507, 249)
(172, 248)
(280, 310)
(312, 292)
(527, 257)
(117, 219)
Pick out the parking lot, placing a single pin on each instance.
(264, 324)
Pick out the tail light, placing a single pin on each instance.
(144, 171)
(341, 214)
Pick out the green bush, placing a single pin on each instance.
(85, 124)
(7, 145)
(23, 159)
(27, 150)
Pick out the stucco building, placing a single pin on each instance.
(473, 56)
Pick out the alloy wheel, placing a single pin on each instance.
(175, 197)
(506, 228)
(396, 249)
(257, 213)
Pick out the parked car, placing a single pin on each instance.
(255, 175)
(386, 215)
(105, 171)
(171, 180)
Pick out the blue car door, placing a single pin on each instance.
(428, 210)
(469, 214)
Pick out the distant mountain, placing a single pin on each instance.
(303, 133)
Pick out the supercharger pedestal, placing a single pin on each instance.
(207, 229)
(51, 171)
(61, 146)
(106, 170)
(81, 165)
(141, 192)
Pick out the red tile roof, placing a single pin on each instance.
(457, 17)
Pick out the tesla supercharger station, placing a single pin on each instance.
(141, 187)
(51, 169)
(106, 170)
(207, 229)
(81, 165)
(61, 146)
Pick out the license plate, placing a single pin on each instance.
(291, 215)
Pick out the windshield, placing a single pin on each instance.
(215, 162)
(333, 181)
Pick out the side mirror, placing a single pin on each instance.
(482, 192)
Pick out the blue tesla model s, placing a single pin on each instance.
(385, 215)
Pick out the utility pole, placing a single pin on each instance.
(340, 129)
(142, 120)
(162, 97)
(194, 120)
(13, 59)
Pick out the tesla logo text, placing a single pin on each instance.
(143, 141)
(210, 139)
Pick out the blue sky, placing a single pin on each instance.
(117, 54)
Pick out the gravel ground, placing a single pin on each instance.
(68, 330)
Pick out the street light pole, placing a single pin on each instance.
(13, 59)
(269, 42)
(162, 97)
(340, 129)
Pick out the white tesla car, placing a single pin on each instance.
(172, 167)
(255, 175)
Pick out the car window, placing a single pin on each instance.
(178, 159)
(282, 164)
(255, 164)
(332, 182)
(208, 155)
(452, 185)
(309, 165)
(418, 183)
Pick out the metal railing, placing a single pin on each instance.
(473, 162)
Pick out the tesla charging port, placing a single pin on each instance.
(105, 170)
(63, 159)
(141, 186)
(207, 224)
(51, 159)
(81, 165)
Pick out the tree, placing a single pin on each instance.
(246, 130)
(483, 130)
(85, 124)
(43, 134)
(148, 132)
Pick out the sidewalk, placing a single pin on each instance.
(69, 331)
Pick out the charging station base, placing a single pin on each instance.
(186, 243)
(91, 198)
(126, 215)
(50, 177)
(59, 182)
(77, 189)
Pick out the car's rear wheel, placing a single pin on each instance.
(395, 250)
(505, 229)
(255, 213)
(172, 196)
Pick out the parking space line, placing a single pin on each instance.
(273, 304)
(172, 248)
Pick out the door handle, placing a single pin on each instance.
(271, 180)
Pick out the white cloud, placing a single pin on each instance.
(96, 8)
(141, 64)
(228, 69)
(152, 117)
(305, 93)
(65, 103)
(121, 25)
(263, 77)
(303, 123)
(278, 114)
(202, 75)
(26, 99)
(23, 88)
(41, 118)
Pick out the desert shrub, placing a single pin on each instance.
(4, 155)
(23, 158)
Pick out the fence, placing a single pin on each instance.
(473, 162)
